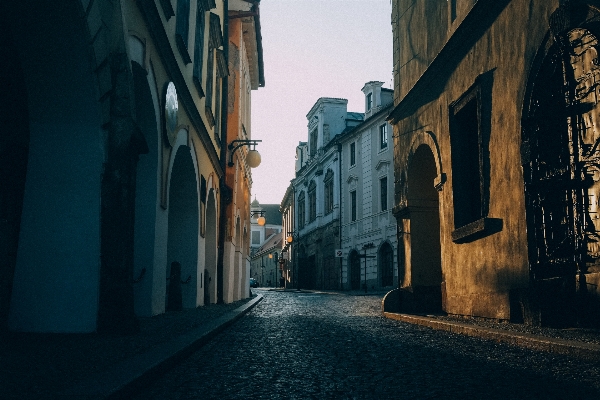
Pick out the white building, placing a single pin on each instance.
(317, 195)
(367, 187)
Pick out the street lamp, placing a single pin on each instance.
(261, 220)
(253, 156)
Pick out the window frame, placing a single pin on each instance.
(328, 192)
(312, 201)
(352, 154)
(353, 213)
(383, 200)
(383, 136)
(301, 210)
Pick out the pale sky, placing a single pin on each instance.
(312, 49)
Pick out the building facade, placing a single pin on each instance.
(286, 208)
(494, 142)
(112, 161)
(246, 73)
(266, 244)
(317, 202)
(368, 228)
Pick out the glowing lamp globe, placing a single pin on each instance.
(289, 239)
(253, 160)
(261, 220)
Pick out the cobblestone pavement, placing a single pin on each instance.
(332, 346)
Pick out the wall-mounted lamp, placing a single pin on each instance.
(253, 156)
(261, 218)
(291, 237)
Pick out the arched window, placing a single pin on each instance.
(312, 201)
(328, 192)
(386, 264)
(301, 210)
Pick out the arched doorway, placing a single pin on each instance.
(182, 243)
(354, 261)
(386, 264)
(57, 265)
(562, 177)
(146, 193)
(425, 250)
(210, 248)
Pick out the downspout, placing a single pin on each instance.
(225, 192)
(339, 149)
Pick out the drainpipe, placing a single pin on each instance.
(339, 149)
(225, 192)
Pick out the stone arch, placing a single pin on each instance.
(423, 223)
(428, 138)
(385, 258)
(183, 209)
(147, 262)
(210, 247)
(57, 266)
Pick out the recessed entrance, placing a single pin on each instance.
(424, 228)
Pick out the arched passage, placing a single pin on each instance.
(354, 261)
(210, 248)
(424, 238)
(56, 273)
(386, 264)
(182, 243)
(146, 193)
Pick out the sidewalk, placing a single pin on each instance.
(578, 342)
(91, 366)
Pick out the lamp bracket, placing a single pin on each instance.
(236, 144)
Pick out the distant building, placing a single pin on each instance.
(496, 158)
(367, 183)
(332, 221)
(266, 244)
(289, 235)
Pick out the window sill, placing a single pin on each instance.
(476, 230)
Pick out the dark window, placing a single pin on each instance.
(182, 29)
(452, 10)
(353, 205)
(383, 136)
(313, 142)
(215, 41)
(467, 163)
(383, 193)
(301, 210)
(199, 48)
(312, 201)
(369, 101)
(352, 154)
(255, 237)
(328, 192)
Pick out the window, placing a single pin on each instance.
(466, 157)
(215, 41)
(328, 191)
(182, 29)
(312, 201)
(452, 10)
(383, 136)
(352, 154)
(353, 205)
(199, 48)
(369, 101)
(255, 237)
(383, 193)
(301, 210)
(313, 142)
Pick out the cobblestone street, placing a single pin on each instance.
(322, 346)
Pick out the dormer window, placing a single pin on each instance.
(369, 101)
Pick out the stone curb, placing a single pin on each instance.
(129, 376)
(567, 347)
